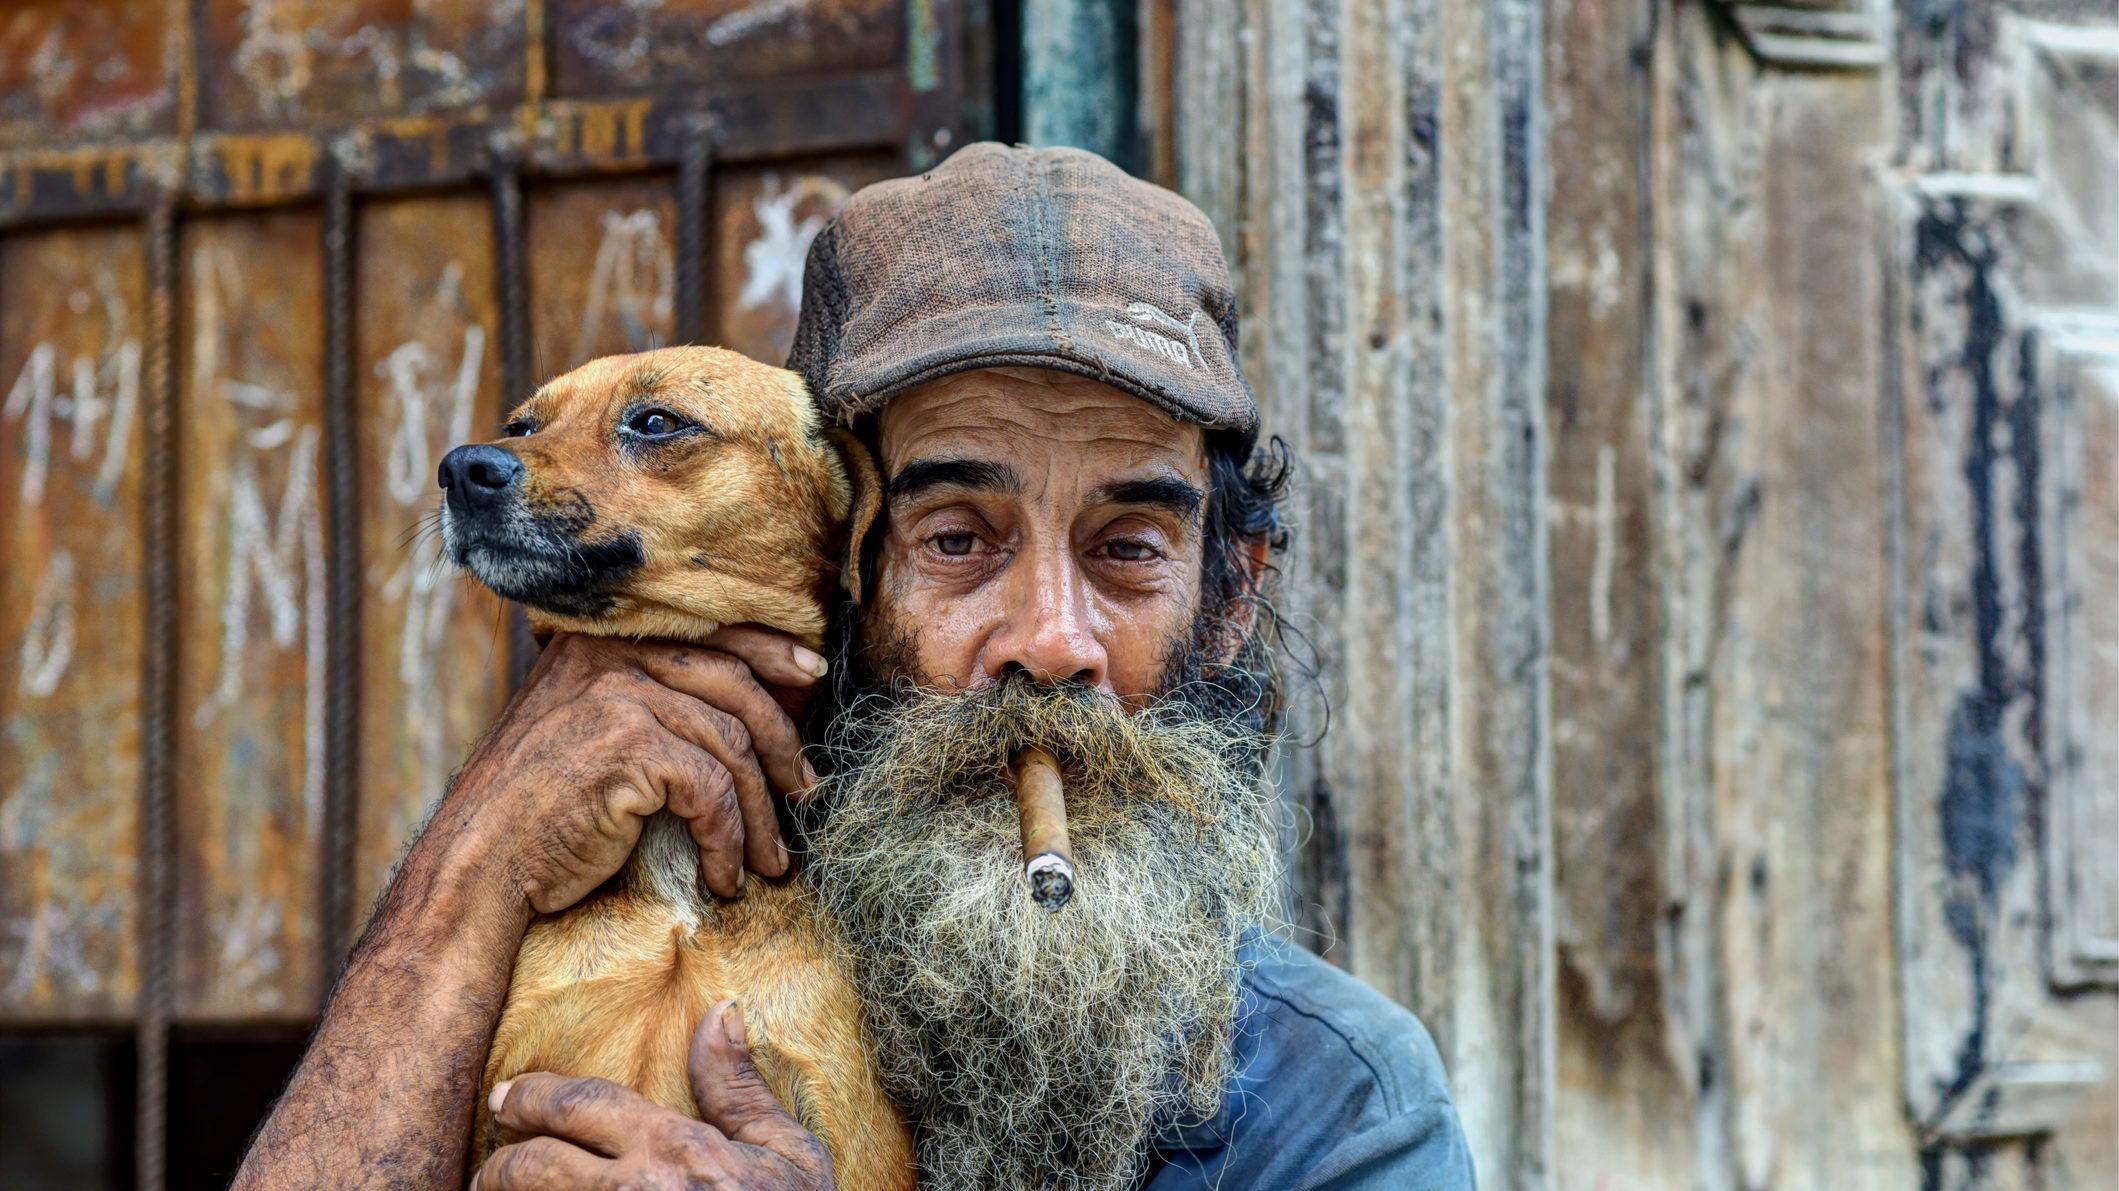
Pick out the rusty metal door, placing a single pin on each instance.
(261, 262)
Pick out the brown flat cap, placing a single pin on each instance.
(1008, 255)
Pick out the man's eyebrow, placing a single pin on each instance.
(978, 475)
(1164, 492)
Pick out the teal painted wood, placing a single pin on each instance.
(1080, 77)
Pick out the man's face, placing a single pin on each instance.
(1039, 581)
(1036, 522)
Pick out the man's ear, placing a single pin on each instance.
(867, 490)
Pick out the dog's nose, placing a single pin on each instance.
(479, 472)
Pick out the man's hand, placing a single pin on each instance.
(607, 731)
(592, 1133)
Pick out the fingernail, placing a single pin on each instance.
(785, 861)
(732, 1024)
(811, 660)
(499, 1096)
(809, 775)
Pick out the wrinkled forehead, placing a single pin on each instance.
(1020, 412)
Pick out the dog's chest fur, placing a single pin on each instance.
(614, 987)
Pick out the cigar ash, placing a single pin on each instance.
(1051, 880)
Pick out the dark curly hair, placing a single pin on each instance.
(1247, 486)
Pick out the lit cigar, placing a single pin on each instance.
(1048, 860)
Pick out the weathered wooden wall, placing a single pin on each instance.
(1708, 532)
(262, 263)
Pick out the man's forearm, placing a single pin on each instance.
(384, 1096)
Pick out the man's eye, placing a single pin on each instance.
(956, 545)
(519, 428)
(1129, 550)
(656, 423)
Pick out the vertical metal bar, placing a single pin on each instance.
(695, 165)
(511, 246)
(160, 486)
(159, 490)
(342, 575)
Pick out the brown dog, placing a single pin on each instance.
(666, 494)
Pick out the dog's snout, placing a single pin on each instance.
(479, 472)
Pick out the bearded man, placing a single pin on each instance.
(1041, 351)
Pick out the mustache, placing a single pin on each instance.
(971, 737)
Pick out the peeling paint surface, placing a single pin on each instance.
(621, 46)
(764, 219)
(71, 620)
(289, 63)
(437, 643)
(250, 712)
(84, 70)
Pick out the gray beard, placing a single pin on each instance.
(1035, 1048)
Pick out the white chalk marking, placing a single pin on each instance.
(276, 549)
(434, 410)
(759, 18)
(31, 396)
(48, 640)
(632, 280)
(1607, 546)
(774, 259)
(104, 383)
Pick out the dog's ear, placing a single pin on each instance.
(867, 492)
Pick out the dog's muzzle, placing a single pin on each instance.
(538, 558)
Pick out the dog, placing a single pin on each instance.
(666, 494)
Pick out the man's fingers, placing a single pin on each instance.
(728, 740)
(590, 1112)
(734, 1098)
(703, 794)
(725, 682)
(541, 1164)
(776, 658)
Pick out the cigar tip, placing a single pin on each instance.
(1051, 880)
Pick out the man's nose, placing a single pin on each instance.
(479, 474)
(1046, 633)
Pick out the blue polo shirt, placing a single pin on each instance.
(1336, 1087)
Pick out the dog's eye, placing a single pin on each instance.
(656, 423)
(519, 428)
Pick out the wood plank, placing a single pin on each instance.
(1494, 189)
(1626, 1110)
(1776, 588)
(73, 308)
(428, 378)
(1800, 770)
(2082, 890)
(250, 674)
